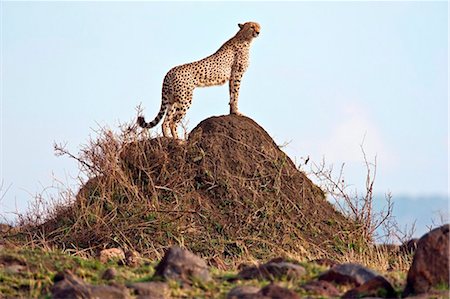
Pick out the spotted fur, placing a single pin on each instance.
(228, 64)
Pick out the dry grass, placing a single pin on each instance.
(379, 259)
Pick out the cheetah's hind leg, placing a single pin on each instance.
(166, 125)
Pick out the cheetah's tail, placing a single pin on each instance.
(141, 120)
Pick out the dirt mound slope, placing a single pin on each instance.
(228, 192)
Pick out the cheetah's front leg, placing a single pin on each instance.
(235, 84)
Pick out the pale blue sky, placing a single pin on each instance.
(322, 76)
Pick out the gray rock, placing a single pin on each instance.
(321, 287)
(354, 274)
(430, 266)
(272, 270)
(274, 291)
(68, 286)
(375, 287)
(152, 289)
(182, 265)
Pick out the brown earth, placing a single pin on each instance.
(227, 192)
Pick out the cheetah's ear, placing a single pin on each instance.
(240, 25)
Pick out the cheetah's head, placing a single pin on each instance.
(249, 30)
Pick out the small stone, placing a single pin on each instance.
(182, 265)
(109, 274)
(111, 254)
(322, 288)
(430, 266)
(243, 292)
(377, 286)
(348, 274)
(132, 258)
(153, 289)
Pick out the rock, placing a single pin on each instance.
(348, 274)
(377, 286)
(181, 264)
(243, 292)
(322, 288)
(325, 262)
(153, 289)
(272, 270)
(111, 254)
(132, 258)
(109, 274)
(68, 286)
(274, 291)
(409, 247)
(430, 266)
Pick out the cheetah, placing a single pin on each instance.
(227, 64)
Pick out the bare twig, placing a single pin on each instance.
(357, 207)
